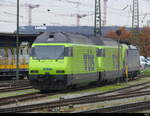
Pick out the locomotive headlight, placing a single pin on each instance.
(47, 69)
(60, 71)
(34, 71)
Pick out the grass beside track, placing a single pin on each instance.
(117, 86)
(16, 93)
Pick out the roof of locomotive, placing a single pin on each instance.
(64, 37)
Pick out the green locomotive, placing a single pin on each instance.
(61, 60)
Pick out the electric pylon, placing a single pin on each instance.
(135, 22)
(97, 26)
(135, 15)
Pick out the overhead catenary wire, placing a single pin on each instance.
(85, 7)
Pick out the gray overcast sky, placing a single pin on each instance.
(62, 11)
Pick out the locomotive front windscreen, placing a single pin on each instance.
(47, 52)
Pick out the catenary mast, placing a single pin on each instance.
(97, 26)
(135, 15)
(135, 22)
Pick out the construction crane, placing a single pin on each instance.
(29, 6)
(78, 16)
(105, 13)
(77, 7)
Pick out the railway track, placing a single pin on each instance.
(73, 101)
(136, 88)
(13, 99)
(121, 93)
(19, 98)
(7, 86)
(14, 83)
(16, 88)
(126, 108)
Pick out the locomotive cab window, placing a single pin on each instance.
(68, 51)
(100, 52)
(47, 52)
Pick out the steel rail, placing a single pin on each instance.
(13, 99)
(73, 101)
(15, 88)
(126, 108)
(85, 99)
(19, 98)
